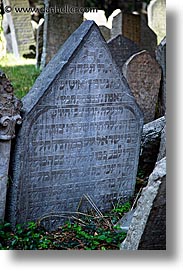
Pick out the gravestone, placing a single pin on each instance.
(135, 28)
(116, 24)
(147, 230)
(121, 49)
(59, 26)
(17, 28)
(105, 32)
(82, 129)
(143, 75)
(9, 117)
(161, 58)
(148, 38)
(157, 18)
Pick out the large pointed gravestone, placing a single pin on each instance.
(80, 135)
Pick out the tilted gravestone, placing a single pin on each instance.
(9, 116)
(18, 29)
(147, 230)
(80, 135)
(121, 49)
(161, 58)
(143, 75)
(59, 26)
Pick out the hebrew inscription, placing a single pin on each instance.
(82, 136)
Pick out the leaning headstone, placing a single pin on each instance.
(135, 28)
(157, 18)
(161, 58)
(147, 230)
(121, 49)
(151, 148)
(82, 129)
(59, 26)
(9, 117)
(143, 75)
(18, 30)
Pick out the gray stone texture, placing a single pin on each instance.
(157, 18)
(9, 117)
(83, 132)
(143, 75)
(150, 144)
(135, 28)
(4, 167)
(121, 49)
(39, 43)
(116, 25)
(21, 35)
(161, 58)
(162, 148)
(58, 27)
(147, 230)
(105, 32)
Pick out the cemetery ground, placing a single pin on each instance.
(22, 73)
(91, 231)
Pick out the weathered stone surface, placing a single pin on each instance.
(161, 58)
(105, 32)
(39, 43)
(157, 18)
(121, 49)
(162, 149)
(116, 25)
(148, 226)
(125, 221)
(154, 235)
(9, 109)
(83, 132)
(18, 24)
(9, 116)
(148, 39)
(58, 27)
(143, 75)
(4, 166)
(135, 28)
(150, 144)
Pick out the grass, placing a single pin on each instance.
(21, 72)
(83, 232)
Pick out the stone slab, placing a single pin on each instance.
(143, 75)
(122, 49)
(83, 130)
(147, 230)
(58, 27)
